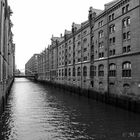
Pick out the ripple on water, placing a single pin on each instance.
(38, 112)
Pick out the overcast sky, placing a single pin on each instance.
(36, 20)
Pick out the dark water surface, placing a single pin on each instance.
(38, 112)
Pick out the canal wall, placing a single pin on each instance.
(5, 88)
(126, 102)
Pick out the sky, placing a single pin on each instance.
(35, 21)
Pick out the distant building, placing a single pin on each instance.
(31, 67)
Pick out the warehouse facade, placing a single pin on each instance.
(101, 54)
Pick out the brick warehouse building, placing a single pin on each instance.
(101, 54)
(7, 52)
(31, 67)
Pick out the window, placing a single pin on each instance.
(62, 72)
(100, 34)
(126, 88)
(79, 51)
(124, 36)
(85, 49)
(112, 52)
(69, 62)
(100, 24)
(79, 36)
(112, 28)
(111, 17)
(129, 48)
(126, 69)
(65, 72)
(112, 41)
(84, 71)
(92, 71)
(79, 43)
(101, 54)
(126, 22)
(79, 59)
(112, 70)
(59, 72)
(69, 71)
(101, 70)
(85, 40)
(128, 35)
(101, 44)
(73, 71)
(92, 57)
(85, 32)
(125, 9)
(78, 71)
(126, 49)
(85, 58)
(92, 40)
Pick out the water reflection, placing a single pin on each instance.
(38, 112)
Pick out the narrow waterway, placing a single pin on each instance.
(39, 112)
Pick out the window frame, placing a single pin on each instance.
(126, 69)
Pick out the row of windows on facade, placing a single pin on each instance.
(126, 35)
(111, 17)
(125, 23)
(126, 70)
(125, 49)
(85, 58)
(78, 44)
(125, 9)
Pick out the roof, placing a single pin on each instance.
(110, 4)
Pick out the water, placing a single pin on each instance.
(38, 112)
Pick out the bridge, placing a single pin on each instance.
(20, 74)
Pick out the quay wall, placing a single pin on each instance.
(4, 92)
(122, 101)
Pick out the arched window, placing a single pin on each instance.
(112, 70)
(85, 40)
(126, 22)
(126, 89)
(101, 34)
(112, 28)
(84, 71)
(101, 70)
(78, 71)
(126, 69)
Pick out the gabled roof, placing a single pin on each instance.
(110, 4)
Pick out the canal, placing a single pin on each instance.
(39, 112)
